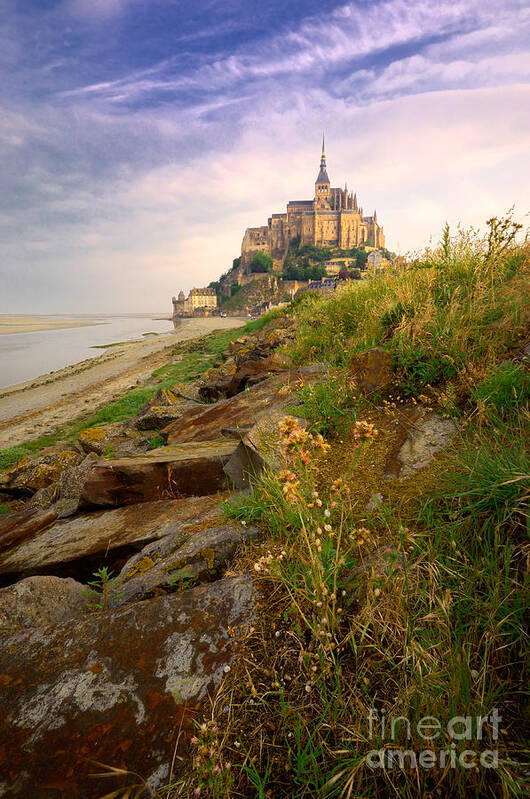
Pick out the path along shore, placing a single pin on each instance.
(37, 407)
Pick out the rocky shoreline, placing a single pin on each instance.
(103, 673)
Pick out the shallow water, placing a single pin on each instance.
(24, 356)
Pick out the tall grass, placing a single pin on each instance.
(456, 304)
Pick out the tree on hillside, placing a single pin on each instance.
(262, 262)
(361, 257)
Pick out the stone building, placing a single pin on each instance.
(199, 302)
(333, 218)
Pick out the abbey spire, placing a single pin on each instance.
(322, 178)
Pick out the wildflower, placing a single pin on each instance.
(327, 513)
(226, 669)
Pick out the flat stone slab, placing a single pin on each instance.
(168, 472)
(113, 687)
(101, 531)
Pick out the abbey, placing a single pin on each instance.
(332, 219)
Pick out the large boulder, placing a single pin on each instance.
(224, 383)
(186, 470)
(180, 560)
(28, 476)
(39, 601)
(64, 495)
(32, 547)
(112, 687)
(158, 416)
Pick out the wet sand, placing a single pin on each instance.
(30, 324)
(38, 407)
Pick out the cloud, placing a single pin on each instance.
(141, 180)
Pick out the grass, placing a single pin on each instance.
(504, 390)
(413, 609)
(462, 303)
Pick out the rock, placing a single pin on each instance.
(258, 448)
(273, 394)
(193, 469)
(113, 687)
(253, 371)
(113, 439)
(102, 532)
(216, 384)
(225, 383)
(67, 493)
(372, 370)
(39, 601)
(27, 476)
(15, 528)
(100, 439)
(164, 398)
(375, 501)
(429, 435)
(155, 417)
(180, 560)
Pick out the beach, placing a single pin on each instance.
(38, 407)
(30, 324)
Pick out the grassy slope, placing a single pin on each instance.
(437, 631)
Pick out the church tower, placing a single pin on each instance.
(322, 183)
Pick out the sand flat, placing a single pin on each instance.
(30, 324)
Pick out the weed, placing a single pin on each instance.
(213, 775)
(98, 595)
(330, 405)
(157, 441)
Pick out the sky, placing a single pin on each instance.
(139, 138)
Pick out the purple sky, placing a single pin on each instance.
(139, 138)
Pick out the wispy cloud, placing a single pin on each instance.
(137, 146)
